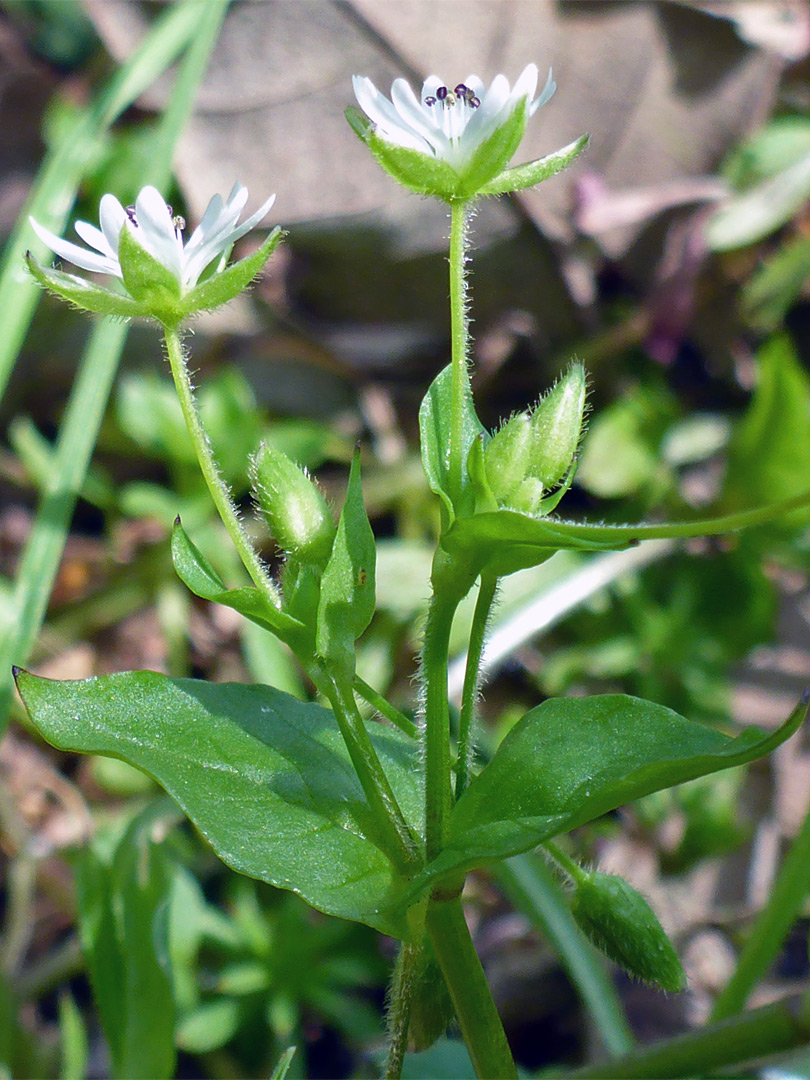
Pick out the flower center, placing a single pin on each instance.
(461, 94)
(178, 221)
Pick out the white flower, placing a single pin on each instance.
(160, 233)
(448, 124)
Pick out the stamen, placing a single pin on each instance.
(179, 222)
(473, 101)
(461, 90)
(130, 212)
(441, 93)
(451, 98)
(430, 100)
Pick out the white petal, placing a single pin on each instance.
(208, 224)
(545, 95)
(430, 86)
(216, 245)
(156, 231)
(418, 118)
(382, 113)
(496, 95)
(111, 217)
(472, 82)
(95, 238)
(79, 256)
(526, 83)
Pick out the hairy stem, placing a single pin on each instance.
(480, 1024)
(483, 606)
(399, 1008)
(459, 342)
(436, 734)
(395, 832)
(216, 485)
(384, 707)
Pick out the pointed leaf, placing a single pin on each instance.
(571, 760)
(199, 576)
(434, 430)
(504, 541)
(534, 172)
(348, 587)
(265, 778)
(84, 295)
(234, 279)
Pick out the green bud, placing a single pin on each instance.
(534, 452)
(297, 513)
(507, 459)
(622, 925)
(557, 427)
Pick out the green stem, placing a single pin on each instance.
(384, 707)
(771, 927)
(459, 343)
(480, 1024)
(216, 485)
(483, 606)
(759, 1033)
(396, 833)
(573, 869)
(399, 1008)
(438, 793)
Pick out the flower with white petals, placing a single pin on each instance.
(465, 136)
(160, 232)
(143, 245)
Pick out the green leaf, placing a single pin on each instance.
(73, 1039)
(769, 451)
(758, 212)
(504, 541)
(266, 778)
(120, 919)
(83, 295)
(434, 430)
(777, 284)
(148, 281)
(534, 172)
(209, 1026)
(571, 760)
(221, 288)
(348, 589)
(197, 574)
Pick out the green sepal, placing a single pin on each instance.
(199, 576)
(221, 288)
(494, 153)
(622, 925)
(418, 172)
(534, 172)
(83, 294)
(148, 281)
(348, 588)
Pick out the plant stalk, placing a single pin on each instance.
(438, 793)
(396, 833)
(480, 1024)
(759, 1033)
(459, 343)
(475, 650)
(216, 485)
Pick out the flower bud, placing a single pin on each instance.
(557, 427)
(297, 513)
(533, 452)
(620, 923)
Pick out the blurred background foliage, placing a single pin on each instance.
(673, 259)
